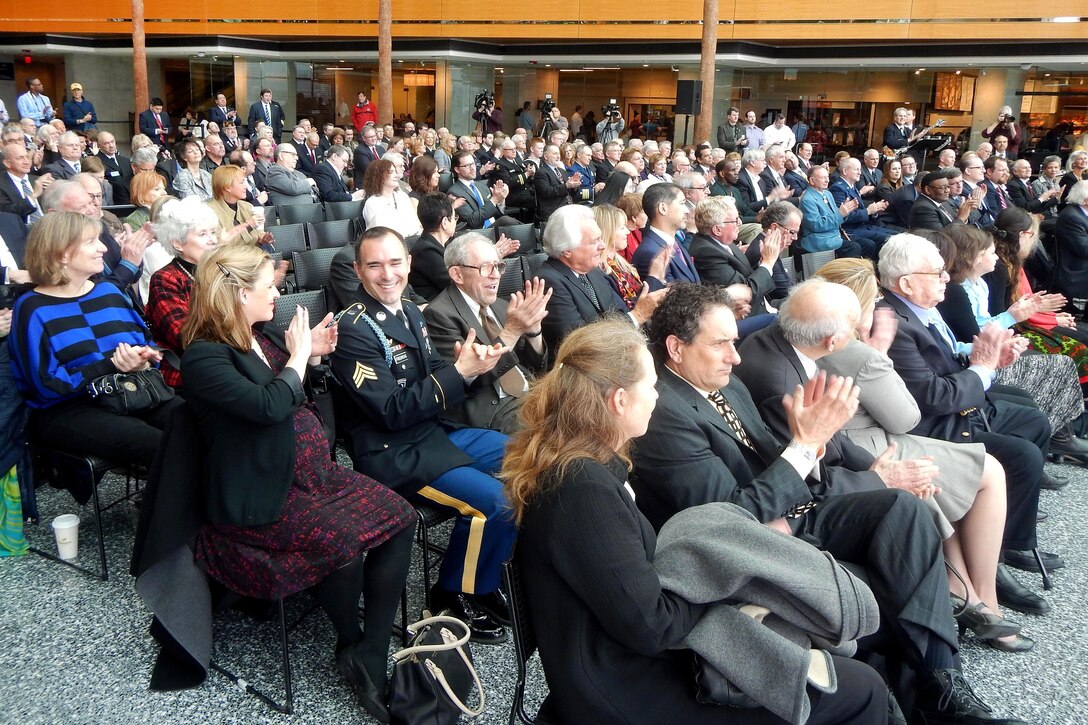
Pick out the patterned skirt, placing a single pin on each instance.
(1052, 381)
(1052, 341)
(332, 514)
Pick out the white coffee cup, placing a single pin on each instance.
(66, 529)
(258, 216)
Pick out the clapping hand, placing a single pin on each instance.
(527, 309)
(881, 333)
(506, 246)
(127, 358)
(323, 337)
(818, 410)
(474, 359)
(914, 476)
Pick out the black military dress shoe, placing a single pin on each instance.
(943, 697)
(495, 605)
(465, 607)
(1025, 560)
(1014, 595)
(1052, 483)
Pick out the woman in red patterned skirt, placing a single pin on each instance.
(280, 515)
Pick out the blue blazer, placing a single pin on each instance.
(681, 267)
(821, 222)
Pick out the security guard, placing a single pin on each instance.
(398, 389)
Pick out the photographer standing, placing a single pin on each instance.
(1006, 126)
(553, 119)
(489, 117)
(612, 125)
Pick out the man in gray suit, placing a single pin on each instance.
(706, 443)
(471, 304)
(283, 183)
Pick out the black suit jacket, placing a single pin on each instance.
(770, 368)
(329, 183)
(393, 412)
(260, 171)
(570, 306)
(781, 278)
(796, 180)
(717, 264)
(60, 169)
(361, 159)
(305, 165)
(690, 456)
(604, 170)
(941, 385)
(925, 214)
(13, 232)
(894, 138)
(256, 113)
(551, 191)
(1024, 196)
(1071, 265)
(428, 275)
(747, 190)
(449, 318)
(119, 174)
(12, 200)
(149, 128)
(471, 215)
(870, 177)
(219, 116)
(899, 205)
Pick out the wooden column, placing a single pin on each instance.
(704, 122)
(139, 60)
(385, 61)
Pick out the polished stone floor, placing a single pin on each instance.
(76, 649)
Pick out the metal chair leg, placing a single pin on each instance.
(1047, 584)
(287, 707)
(103, 573)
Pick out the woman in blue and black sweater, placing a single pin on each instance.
(71, 330)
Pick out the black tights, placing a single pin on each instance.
(379, 578)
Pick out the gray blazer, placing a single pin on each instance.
(287, 186)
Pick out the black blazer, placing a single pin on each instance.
(796, 180)
(770, 368)
(329, 183)
(244, 413)
(428, 275)
(894, 138)
(927, 214)
(1071, 263)
(119, 174)
(718, 265)
(689, 456)
(471, 215)
(747, 190)
(256, 113)
(13, 232)
(570, 306)
(361, 159)
(604, 624)
(1024, 196)
(304, 164)
(941, 385)
(394, 411)
(12, 200)
(150, 128)
(899, 205)
(551, 192)
(60, 169)
(449, 319)
(781, 278)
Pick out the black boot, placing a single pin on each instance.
(943, 697)
(1064, 446)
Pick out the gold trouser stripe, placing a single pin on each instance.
(475, 533)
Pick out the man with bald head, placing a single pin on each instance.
(118, 167)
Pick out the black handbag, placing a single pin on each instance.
(135, 392)
(434, 675)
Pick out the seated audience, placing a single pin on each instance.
(861, 224)
(1071, 243)
(144, 188)
(471, 303)
(621, 274)
(392, 414)
(386, 205)
(423, 179)
(631, 206)
(285, 184)
(784, 219)
(279, 515)
(666, 214)
(706, 443)
(481, 209)
(71, 330)
(428, 275)
(821, 223)
(329, 175)
(192, 178)
(186, 230)
(611, 637)
(237, 222)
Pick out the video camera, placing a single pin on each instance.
(611, 109)
(547, 104)
(484, 99)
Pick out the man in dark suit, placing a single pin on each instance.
(483, 207)
(748, 182)
(997, 174)
(264, 155)
(398, 391)
(519, 178)
(773, 175)
(471, 303)
(731, 136)
(221, 113)
(973, 170)
(1023, 193)
(1071, 243)
(666, 213)
(12, 249)
(719, 260)
(551, 185)
(612, 152)
(155, 124)
(118, 167)
(367, 151)
(900, 203)
(268, 111)
(861, 223)
(952, 391)
(1001, 148)
(70, 151)
(329, 175)
(19, 193)
(706, 443)
(931, 210)
(581, 292)
(784, 220)
(728, 171)
(794, 177)
(898, 133)
(871, 175)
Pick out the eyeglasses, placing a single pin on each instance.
(698, 188)
(730, 221)
(465, 166)
(96, 197)
(940, 272)
(973, 168)
(791, 232)
(487, 268)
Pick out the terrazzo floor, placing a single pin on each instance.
(76, 649)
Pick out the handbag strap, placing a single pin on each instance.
(420, 648)
(438, 675)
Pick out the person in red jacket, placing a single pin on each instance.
(363, 112)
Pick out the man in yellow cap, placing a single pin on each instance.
(79, 113)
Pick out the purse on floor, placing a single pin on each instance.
(434, 675)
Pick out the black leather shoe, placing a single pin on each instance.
(1025, 560)
(943, 697)
(485, 630)
(495, 605)
(1064, 446)
(1014, 595)
(1019, 643)
(1052, 483)
(349, 662)
(1041, 516)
